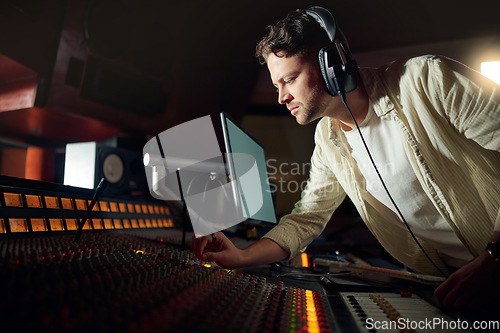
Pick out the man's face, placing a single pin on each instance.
(300, 86)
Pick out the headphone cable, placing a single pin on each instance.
(344, 100)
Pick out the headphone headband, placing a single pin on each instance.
(325, 20)
(337, 66)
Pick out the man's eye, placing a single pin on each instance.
(289, 81)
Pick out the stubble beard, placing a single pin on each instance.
(313, 108)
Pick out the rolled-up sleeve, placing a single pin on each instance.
(321, 196)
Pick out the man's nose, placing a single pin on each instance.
(284, 97)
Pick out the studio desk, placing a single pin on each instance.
(130, 273)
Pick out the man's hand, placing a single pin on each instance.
(475, 284)
(222, 251)
(225, 254)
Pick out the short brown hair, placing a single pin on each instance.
(296, 34)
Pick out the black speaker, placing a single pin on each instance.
(87, 162)
(337, 65)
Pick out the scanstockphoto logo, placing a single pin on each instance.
(185, 163)
(285, 177)
(292, 177)
(432, 324)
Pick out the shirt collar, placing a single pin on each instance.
(377, 93)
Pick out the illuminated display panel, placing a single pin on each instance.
(130, 208)
(81, 204)
(56, 224)
(33, 201)
(51, 202)
(123, 207)
(67, 203)
(13, 200)
(114, 207)
(108, 224)
(305, 259)
(104, 206)
(126, 223)
(38, 225)
(97, 224)
(117, 223)
(18, 225)
(61, 222)
(71, 224)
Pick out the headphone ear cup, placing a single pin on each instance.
(349, 74)
(331, 75)
(339, 79)
(350, 80)
(324, 71)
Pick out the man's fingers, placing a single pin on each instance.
(193, 243)
(199, 245)
(442, 291)
(210, 256)
(216, 257)
(453, 293)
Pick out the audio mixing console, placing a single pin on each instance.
(123, 283)
(131, 271)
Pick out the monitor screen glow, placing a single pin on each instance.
(252, 186)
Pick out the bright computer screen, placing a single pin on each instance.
(252, 183)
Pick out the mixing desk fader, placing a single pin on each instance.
(121, 283)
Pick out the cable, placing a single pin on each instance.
(97, 193)
(344, 100)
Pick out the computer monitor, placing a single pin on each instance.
(251, 188)
(185, 163)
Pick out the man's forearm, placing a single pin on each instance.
(264, 251)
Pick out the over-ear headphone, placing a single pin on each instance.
(337, 66)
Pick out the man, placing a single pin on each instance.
(431, 123)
